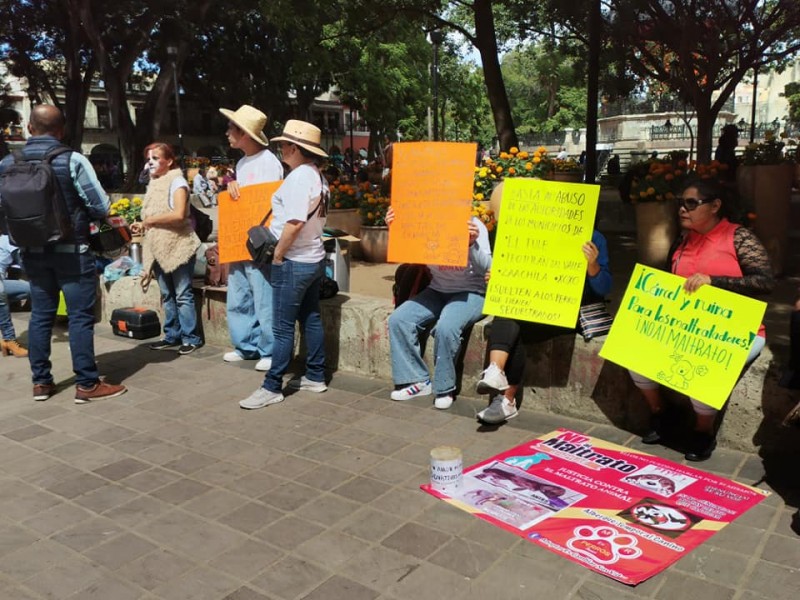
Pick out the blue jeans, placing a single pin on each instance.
(452, 313)
(180, 314)
(295, 297)
(11, 290)
(75, 275)
(249, 309)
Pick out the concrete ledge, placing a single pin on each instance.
(566, 374)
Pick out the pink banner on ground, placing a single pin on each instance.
(623, 513)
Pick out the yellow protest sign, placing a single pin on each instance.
(237, 216)
(693, 343)
(538, 268)
(432, 201)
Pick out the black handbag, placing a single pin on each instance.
(261, 243)
(594, 320)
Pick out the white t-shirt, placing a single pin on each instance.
(177, 183)
(261, 167)
(298, 195)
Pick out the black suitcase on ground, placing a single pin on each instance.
(136, 323)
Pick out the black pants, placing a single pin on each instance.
(509, 335)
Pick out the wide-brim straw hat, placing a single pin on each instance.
(250, 120)
(303, 134)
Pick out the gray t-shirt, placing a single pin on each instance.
(451, 280)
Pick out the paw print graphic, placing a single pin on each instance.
(604, 544)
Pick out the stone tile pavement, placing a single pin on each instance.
(172, 492)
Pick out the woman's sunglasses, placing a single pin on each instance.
(691, 204)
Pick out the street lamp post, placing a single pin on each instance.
(172, 52)
(436, 39)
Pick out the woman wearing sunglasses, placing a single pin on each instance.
(711, 251)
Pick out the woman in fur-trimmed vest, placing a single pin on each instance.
(169, 248)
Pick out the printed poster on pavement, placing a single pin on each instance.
(623, 513)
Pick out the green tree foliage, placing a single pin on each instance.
(465, 114)
(546, 88)
(701, 49)
(43, 42)
(386, 74)
(240, 57)
(792, 93)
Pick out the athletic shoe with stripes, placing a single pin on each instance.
(415, 390)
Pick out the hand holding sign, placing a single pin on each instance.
(238, 215)
(695, 343)
(431, 202)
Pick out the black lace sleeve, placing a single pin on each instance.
(756, 276)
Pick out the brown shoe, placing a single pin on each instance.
(99, 391)
(43, 391)
(13, 348)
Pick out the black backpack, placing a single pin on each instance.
(32, 204)
(201, 223)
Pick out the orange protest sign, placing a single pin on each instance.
(237, 216)
(432, 202)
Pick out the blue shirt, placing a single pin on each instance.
(88, 186)
(599, 286)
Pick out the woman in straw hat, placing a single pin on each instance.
(299, 210)
(249, 302)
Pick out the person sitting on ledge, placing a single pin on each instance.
(11, 290)
(711, 251)
(503, 376)
(453, 301)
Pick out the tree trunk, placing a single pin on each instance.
(486, 43)
(78, 81)
(706, 117)
(592, 91)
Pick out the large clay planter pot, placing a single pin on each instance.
(656, 229)
(374, 243)
(346, 219)
(568, 176)
(349, 220)
(494, 199)
(768, 189)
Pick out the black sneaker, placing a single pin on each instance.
(164, 345)
(653, 434)
(701, 447)
(189, 348)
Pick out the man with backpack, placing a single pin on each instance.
(48, 196)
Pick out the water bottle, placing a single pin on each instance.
(136, 252)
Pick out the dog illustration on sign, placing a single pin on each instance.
(681, 372)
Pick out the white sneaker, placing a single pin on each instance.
(492, 380)
(443, 402)
(307, 385)
(233, 356)
(423, 388)
(499, 411)
(264, 364)
(261, 398)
